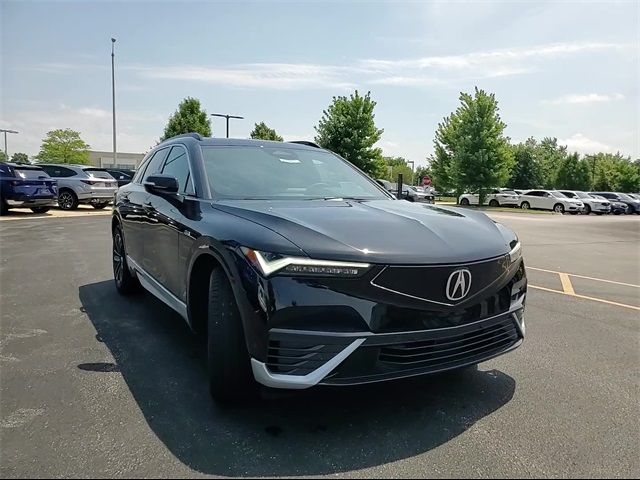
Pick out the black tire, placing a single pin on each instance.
(464, 202)
(631, 210)
(525, 206)
(494, 203)
(587, 209)
(230, 376)
(67, 199)
(99, 206)
(617, 212)
(4, 208)
(126, 283)
(558, 208)
(40, 209)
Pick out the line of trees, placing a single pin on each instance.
(471, 150)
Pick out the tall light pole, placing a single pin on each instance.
(5, 140)
(113, 99)
(227, 117)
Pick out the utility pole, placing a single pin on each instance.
(6, 154)
(113, 99)
(227, 117)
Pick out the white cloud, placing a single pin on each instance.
(475, 65)
(402, 72)
(580, 143)
(282, 76)
(94, 125)
(585, 98)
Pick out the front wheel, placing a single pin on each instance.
(464, 202)
(40, 209)
(99, 206)
(525, 206)
(558, 208)
(230, 377)
(126, 283)
(494, 203)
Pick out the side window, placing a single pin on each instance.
(177, 165)
(57, 172)
(155, 163)
(534, 194)
(5, 170)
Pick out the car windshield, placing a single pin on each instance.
(98, 173)
(274, 173)
(557, 194)
(30, 172)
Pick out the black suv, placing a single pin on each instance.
(300, 270)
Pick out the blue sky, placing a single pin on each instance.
(564, 69)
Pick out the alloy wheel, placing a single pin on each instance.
(65, 201)
(118, 257)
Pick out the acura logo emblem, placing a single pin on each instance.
(459, 284)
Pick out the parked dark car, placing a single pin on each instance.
(300, 270)
(26, 186)
(633, 204)
(410, 193)
(121, 175)
(617, 208)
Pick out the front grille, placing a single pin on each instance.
(456, 349)
(388, 318)
(298, 357)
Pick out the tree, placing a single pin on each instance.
(613, 172)
(348, 128)
(395, 165)
(527, 171)
(573, 174)
(550, 156)
(262, 132)
(471, 151)
(64, 146)
(189, 118)
(20, 157)
(3, 156)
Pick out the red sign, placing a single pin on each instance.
(426, 180)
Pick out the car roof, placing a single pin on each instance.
(236, 142)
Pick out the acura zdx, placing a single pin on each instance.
(300, 270)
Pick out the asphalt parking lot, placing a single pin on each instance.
(94, 384)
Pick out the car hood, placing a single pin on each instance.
(379, 231)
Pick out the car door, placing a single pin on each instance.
(133, 207)
(169, 234)
(533, 197)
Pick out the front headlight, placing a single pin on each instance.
(270, 263)
(516, 253)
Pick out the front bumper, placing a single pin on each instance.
(314, 331)
(364, 357)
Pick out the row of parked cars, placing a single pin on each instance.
(42, 186)
(560, 201)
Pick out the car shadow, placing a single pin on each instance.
(319, 431)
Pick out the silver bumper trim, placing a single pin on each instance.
(298, 382)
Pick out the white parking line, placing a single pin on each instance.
(582, 276)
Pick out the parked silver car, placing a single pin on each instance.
(82, 184)
(591, 203)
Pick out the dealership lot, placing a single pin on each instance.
(97, 384)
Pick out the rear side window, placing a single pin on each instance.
(98, 173)
(177, 165)
(5, 170)
(30, 173)
(58, 172)
(155, 164)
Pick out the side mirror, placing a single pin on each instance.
(161, 184)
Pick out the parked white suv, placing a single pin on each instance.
(550, 200)
(498, 197)
(591, 203)
(82, 184)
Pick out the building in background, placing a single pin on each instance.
(129, 161)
